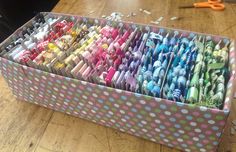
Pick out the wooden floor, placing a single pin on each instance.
(29, 128)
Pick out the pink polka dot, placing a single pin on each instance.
(153, 125)
(205, 141)
(195, 113)
(167, 124)
(81, 87)
(132, 123)
(174, 143)
(98, 105)
(208, 132)
(130, 114)
(191, 134)
(162, 117)
(222, 123)
(118, 114)
(103, 97)
(138, 106)
(167, 132)
(178, 115)
(125, 107)
(215, 111)
(204, 126)
(153, 132)
(115, 95)
(190, 142)
(153, 104)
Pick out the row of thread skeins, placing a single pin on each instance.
(190, 69)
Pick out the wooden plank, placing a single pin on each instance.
(66, 133)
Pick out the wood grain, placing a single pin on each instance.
(28, 127)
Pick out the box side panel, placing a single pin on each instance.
(174, 124)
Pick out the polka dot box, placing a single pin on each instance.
(178, 125)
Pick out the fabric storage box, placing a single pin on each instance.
(179, 125)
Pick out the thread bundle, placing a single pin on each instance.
(166, 64)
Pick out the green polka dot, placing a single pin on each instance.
(113, 109)
(185, 136)
(173, 109)
(87, 93)
(170, 137)
(209, 147)
(136, 127)
(148, 119)
(149, 127)
(103, 110)
(192, 106)
(212, 138)
(187, 128)
(172, 129)
(200, 119)
(132, 99)
(147, 97)
(182, 121)
(135, 120)
(119, 101)
(157, 110)
(143, 112)
(219, 117)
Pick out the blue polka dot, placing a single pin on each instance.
(111, 99)
(189, 117)
(207, 115)
(218, 134)
(163, 106)
(49, 91)
(67, 100)
(67, 78)
(79, 91)
(199, 145)
(95, 108)
(89, 89)
(98, 116)
(123, 97)
(128, 125)
(180, 104)
(147, 108)
(177, 126)
(139, 116)
(108, 115)
(58, 81)
(106, 107)
(76, 99)
(117, 125)
(70, 93)
(215, 128)
(137, 95)
(172, 119)
(215, 143)
(162, 127)
(176, 134)
(78, 107)
(133, 110)
(100, 101)
(50, 83)
(101, 87)
(202, 136)
(162, 135)
(184, 145)
(127, 117)
(140, 125)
